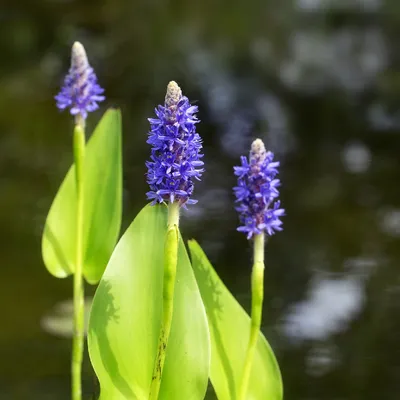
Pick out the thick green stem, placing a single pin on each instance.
(170, 264)
(78, 333)
(257, 296)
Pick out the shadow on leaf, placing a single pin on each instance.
(107, 356)
(58, 251)
(211, 297)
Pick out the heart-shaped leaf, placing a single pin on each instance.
(125, 319)
(230, 329)
(102, 206)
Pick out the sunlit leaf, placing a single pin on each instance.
(230, 329)
(102, 212)
(125, 319)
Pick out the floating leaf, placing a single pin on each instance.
(102, 207)
(125, 319)
(230, 329)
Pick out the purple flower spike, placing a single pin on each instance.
(176, 150)
(80, 92)
(257, 191)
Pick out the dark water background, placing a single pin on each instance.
(317, 80)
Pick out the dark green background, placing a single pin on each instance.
(317, 80)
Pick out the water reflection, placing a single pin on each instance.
(356, 157)
(382, 119)
(324, 5)
(390, 222)
(59, 321)
(348, 58)
(223, 96)
(330, 306)
(322, 358)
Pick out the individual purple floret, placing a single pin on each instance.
(256, 192)
(176, 150)
(80, 92)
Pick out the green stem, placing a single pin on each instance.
(78, 333)
(170, 263)
(257, 295)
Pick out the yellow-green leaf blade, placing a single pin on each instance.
(125, 319)
(102, 208)
(230, 329)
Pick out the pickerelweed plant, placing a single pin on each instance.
(161, 324)
(80, 94)
(260, 213)
(148, 323)
(175, 162)
(84, 220)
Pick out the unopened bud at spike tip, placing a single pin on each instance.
(258, 151)
(174, 94)
(78, 56)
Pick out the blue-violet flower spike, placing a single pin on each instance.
(257, 192)
(175, 159)
(80, 92)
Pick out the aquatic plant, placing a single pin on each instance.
(175, 161)
(160, 331)
(259, 212)
(86, 213)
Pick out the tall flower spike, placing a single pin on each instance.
(176, 150)
(257, 191)
(80, 92)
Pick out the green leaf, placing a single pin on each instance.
(102, 208)
(125, 319)
(230, 329)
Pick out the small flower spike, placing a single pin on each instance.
(176, 150)
(80, 92)
(256, 192)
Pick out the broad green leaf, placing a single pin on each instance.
(102, 209)
(125, 319)
(230, 329)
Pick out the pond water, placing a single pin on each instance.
(315, 79)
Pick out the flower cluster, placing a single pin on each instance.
(176, 150)
(256, 192)
(80, 92)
